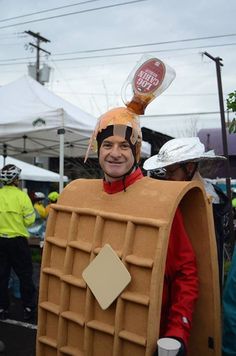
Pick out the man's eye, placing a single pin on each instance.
(125, 146)
(106, 145)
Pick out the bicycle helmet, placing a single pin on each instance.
(39, 196)
(9, 173)
(53, 196)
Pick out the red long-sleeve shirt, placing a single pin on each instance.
(180, 290)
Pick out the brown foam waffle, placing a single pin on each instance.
(136, 225)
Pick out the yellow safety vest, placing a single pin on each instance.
(16, 212)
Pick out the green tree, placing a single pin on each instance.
(231, 105)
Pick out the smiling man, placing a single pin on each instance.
(118, 156)
(118, 138)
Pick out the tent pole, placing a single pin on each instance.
(4, 154)
(61, 132)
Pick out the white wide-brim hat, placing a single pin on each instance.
(180, 150)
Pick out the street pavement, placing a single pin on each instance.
(19, 337)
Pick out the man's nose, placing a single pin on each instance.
(115, 151)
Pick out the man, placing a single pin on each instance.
(119, 146)
(16, 214)
(180, 160)
(140, 219)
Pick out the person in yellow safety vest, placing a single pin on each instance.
(52, 197)
(38, 204)
(16, 214)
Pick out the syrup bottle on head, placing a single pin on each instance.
(147, 80)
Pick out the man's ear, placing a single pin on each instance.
(191, 168)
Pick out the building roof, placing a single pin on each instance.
(212, 139)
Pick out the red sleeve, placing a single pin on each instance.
(181, 282)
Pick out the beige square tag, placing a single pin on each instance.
(106, 276)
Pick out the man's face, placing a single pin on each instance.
(16, 182)
(115, 158)
(179, 172)
(175, 172)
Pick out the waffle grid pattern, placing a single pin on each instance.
(71, 321)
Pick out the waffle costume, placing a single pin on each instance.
(142, 220)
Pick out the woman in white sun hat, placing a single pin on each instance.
(179, 160)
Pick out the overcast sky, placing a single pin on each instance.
(96, 45)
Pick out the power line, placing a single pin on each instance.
(143, 52)
(183, 114)
(72, 13)
(15, 59)
(146, 44)
(16, 63)
(48, 10)
(118, 94)
(119, 54)
(143, 44)
(9, 35)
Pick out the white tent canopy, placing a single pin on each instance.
(31, 172)
(36, 122)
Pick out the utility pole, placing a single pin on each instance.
(39, 39)
(218, 63)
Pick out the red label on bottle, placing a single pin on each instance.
(149, 76)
